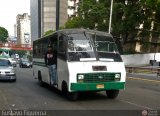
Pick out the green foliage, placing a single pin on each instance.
(74, 23)
(91, 15)
(126, 18)
(20, 52)
(48, 32)
(3, 35)
(130, 51)
(29, 57)
(62, 27)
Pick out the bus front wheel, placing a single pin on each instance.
(112, 94)
(73, 96)
(64, 88)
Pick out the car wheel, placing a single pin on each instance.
(14, 80)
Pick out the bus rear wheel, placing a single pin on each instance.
(41, 83)
(112, 94)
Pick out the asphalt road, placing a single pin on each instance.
(26, 95)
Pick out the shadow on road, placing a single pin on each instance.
(83, 96)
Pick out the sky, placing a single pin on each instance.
(9, 9)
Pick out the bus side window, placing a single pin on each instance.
(62, 48)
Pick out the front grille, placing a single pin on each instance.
(10, 74)
(7, 72)
(98, 77)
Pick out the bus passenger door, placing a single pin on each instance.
(62, 67)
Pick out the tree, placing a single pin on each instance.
(91, 14)
(94, 15)
(127, 17)
(48, 32)
(3, 35)
(150, 34)
(73, 23)
(131, 19)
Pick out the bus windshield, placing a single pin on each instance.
(88, 47)
(106, 46)
(106, 49)
(80, 47)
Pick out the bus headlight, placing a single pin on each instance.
(117, 77)
(80, 77)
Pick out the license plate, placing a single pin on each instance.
(100, 86)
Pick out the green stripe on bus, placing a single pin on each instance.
(39, 63)
(97, 86)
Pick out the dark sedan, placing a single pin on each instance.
(25, 63)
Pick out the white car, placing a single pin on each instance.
(7, 71)
(13, 61)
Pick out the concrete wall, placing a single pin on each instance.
(140, 59)
(48, 15)
(43, 16)
(63, 12)
(34, 20)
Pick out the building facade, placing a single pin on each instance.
(48, 15)
(72, 8)
(63, 18)
(35, 10)
(44, 16)
(15, 30)
(23, 29)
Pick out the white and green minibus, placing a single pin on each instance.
(87, 60)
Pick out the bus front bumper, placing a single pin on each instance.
(97, 86)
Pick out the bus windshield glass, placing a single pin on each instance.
(80, 47)
(106, 49)
(106, 46)
(91, 47)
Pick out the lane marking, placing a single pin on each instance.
(149, 80)
(141, 106)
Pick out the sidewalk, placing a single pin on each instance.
(145, 75)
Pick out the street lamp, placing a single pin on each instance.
(110, 18)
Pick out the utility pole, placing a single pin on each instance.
(110, 18)
(57, 14)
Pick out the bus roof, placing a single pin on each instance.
(69, 31)
(77, 30)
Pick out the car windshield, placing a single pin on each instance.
(25, 61)
(4, 62)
